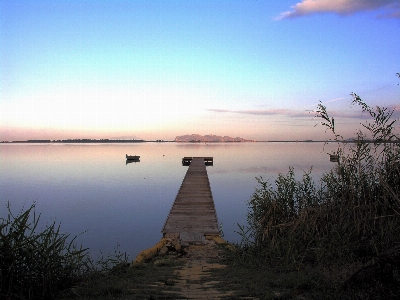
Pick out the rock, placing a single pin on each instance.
(178, 246)
(163, 250)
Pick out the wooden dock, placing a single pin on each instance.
(193, 214)
(207, 160)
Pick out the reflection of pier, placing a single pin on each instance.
(129, 161)
(193, 215)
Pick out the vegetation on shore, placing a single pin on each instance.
(340, 238)
(37, 265)
(47, 264)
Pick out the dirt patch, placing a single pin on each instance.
(193, 277)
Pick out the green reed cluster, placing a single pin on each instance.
(37, 264)
(350, 217)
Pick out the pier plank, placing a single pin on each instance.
(193, 213)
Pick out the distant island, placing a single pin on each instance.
(85, 141)
(197, 138)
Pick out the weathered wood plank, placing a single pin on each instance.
(193, 212)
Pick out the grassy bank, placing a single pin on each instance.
(143, 281)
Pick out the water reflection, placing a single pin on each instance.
(87, 188)
(129, 161)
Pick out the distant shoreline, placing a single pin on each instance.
(111, 141)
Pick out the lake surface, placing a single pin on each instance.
(90, 188)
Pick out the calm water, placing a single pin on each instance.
(89, 187)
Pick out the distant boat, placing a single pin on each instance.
(333, 158)
(132, 157)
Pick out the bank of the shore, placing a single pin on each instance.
(184, 273)
(213, 271)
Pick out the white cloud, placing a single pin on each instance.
(344, 7)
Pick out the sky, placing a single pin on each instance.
(158, 69)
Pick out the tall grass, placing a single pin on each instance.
(37, 264)
(350, 217)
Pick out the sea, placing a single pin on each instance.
(112, 206)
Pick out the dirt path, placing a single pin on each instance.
(194, 280)
(194, 277)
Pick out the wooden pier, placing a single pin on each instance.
(207, 160)
(193, 216)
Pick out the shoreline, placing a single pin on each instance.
(107, 141)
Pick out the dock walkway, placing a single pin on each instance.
(193, 214)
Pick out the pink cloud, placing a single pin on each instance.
(351, 114)
(307, 7)
(267, 112)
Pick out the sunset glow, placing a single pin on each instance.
(158, 69)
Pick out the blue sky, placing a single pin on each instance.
(158, 69)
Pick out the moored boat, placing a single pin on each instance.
(333, 157)
(132, 157)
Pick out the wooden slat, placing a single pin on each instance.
(193, 212)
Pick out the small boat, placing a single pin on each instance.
(333, 158)
(132, 157)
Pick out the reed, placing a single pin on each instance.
(349, 220)
(37, 264)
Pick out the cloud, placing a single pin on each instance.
(356, 113)
(268, 112)
(344, 7)
(350, 114)
(265, 112)
(395, 109)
